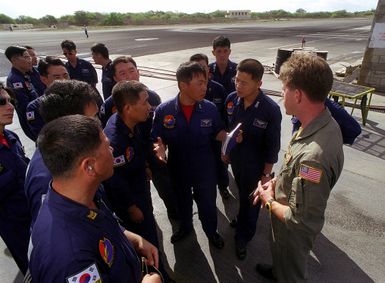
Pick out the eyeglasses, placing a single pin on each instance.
(4, 101)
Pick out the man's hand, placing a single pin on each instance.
(160, 150)
(264, 192)
(144, 248)
(152, 278)
(136, 215)
(226, 158)
(265, 179)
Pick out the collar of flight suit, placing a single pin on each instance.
(317, 123)
(198, 105)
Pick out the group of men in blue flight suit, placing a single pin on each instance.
(191, 127)
(63, 97)
(74, 220)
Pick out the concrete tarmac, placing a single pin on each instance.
(351, 246)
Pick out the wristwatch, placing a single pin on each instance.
(268, 175)
(268, 204)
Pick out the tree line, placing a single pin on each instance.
(80, 18)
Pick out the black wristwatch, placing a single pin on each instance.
(269, 175)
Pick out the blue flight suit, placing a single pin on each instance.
(34, 119)
(36, 184)
(36, 81)
(84, 71)
(350, 128)
(107, 80)
(261, 126)
(129, 185)
(25, 93)
(191, 158)
(15, 220)
(227, 78)
(72, 243)
(216, 93)
(160, 176)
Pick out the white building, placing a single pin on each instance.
(238, 14)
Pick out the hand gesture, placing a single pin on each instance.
(160, 150)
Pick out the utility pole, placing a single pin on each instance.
(373, 65)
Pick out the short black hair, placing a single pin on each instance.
(101, 49)
(66, 140)
(13, 51)
(221, 41)
(66, 97)
(252, 67)
(198, 57)
(127, 92)
(68, 44)
(122, 59)
(46, 62)
(186, 71)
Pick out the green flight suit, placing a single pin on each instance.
(312, 165)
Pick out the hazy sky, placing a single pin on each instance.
(40, 8)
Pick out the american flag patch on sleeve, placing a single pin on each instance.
(309, 173)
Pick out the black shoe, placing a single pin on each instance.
(233, 223)
(224, 192)
(240, 250)
(265, 270)
(217, 241)
(179, 235)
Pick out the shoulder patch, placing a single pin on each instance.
(87, 275)
(169, 121)
(17, 85)
(106, 250)
(310, 173)
(230, 108)
(119, 161)
(30, 115)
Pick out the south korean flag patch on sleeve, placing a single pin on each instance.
(30, 115)
(119, 161)
(87, 275)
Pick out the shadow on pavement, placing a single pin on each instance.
(333, 265)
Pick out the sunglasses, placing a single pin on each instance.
(4, 101)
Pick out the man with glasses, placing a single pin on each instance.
(14, 215)
(20, 82)
(78, 69)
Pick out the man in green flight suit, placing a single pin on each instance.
(313, 162)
